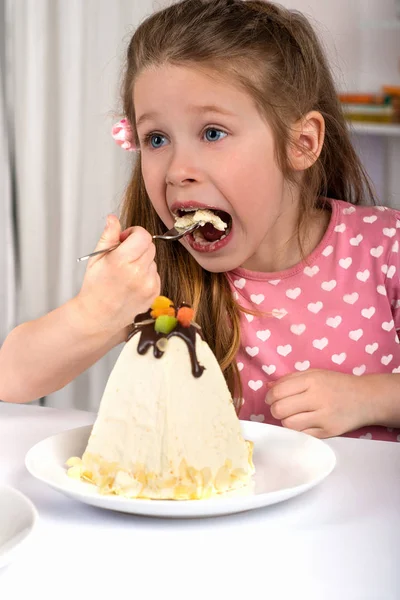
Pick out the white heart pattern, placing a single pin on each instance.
(371, 219)
(356, 334)
(368, 312)
(293, 294)
(263, 335)
(355, 241)
(257, 418)
(376, 252)
(252, 351)
(363, 275)
(320, 344)
(351, 298)
(366, 436)
(274, 281)
(257, 298)
(396, 370)
(255, 385)
(395, 247)
(311, 271)
(389, 231)
(298, 329)
(302, 366)
(284, 350)
(388, 325)
(240, 366)
(391, 271)
(327, 251)
(345, 262)
(239, 283)
(249, 317)
(349, 210)
(315, 307)
(236, 295)
(340, 228)
(338, 359)
(279, 313)
(269, 369)
(328, 286)
(385, 360)
(381, 290)
(371, 348)
(359, 370)
(334, 321)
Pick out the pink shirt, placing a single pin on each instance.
(339, 310)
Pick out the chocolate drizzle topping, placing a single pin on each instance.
(149, 337)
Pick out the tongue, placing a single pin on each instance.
(210, 233)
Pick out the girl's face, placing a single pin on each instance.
(205, 145)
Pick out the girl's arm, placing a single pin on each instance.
(40, 357)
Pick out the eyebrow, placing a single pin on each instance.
(208, 108)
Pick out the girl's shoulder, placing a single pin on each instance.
(366, 217)
(370, 230)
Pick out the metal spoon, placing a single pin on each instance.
(172, 235)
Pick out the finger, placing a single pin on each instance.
(301, 421)
(126, 233)
(153, 269)
(293, 376)
(317, 432)
(284, 388)
(109, 237)
(292, 405)
(135, 245)
(146, 263)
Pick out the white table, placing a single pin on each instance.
(340, 540)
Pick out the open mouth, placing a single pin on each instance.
(215, 224)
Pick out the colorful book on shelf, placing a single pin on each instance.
(383, 107)
(369, 112)
(361, 98)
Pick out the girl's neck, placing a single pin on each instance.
(286, 247)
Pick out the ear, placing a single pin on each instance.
(307, 139)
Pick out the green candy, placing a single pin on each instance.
(165, 324)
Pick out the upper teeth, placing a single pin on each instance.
(200, 216)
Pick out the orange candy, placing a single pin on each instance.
(162, 306)
(185, 316)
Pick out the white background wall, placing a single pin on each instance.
(362, 40)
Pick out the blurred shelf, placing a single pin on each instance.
(382, 129)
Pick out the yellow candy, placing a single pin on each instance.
(162, 306)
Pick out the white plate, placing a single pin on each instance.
(17, 520)
(287, 464)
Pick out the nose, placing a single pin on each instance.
(183, 169)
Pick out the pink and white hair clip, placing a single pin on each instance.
(123, 135)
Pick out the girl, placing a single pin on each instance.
(233, 108)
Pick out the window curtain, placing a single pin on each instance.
(65, 65)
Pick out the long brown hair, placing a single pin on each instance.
(274, 54)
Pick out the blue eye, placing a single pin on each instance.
(214, 135)
(156, 140)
